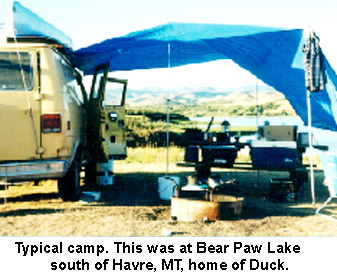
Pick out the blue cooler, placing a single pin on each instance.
(274, 154)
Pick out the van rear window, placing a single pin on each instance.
(16, 72)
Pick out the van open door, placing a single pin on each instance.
(95, 117)
(105, 122)
(105, 117)
(115, 128)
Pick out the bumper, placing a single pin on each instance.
(33, 170)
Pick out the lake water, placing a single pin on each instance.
(252, 121)
(320, 137)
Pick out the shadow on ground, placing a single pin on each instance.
(141, 189)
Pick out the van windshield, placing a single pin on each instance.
(11, 76)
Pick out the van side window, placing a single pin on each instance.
(114, 94)
(11, 77)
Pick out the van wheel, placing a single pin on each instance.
(70, 185)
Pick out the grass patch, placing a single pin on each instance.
(150, 155)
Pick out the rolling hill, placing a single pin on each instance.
(188, 96)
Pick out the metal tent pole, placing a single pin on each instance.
(257, 122)
(312, 178)
(168, 110)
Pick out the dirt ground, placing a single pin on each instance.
(131, 207)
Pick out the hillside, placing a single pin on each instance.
(210, 101)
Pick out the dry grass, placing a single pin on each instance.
(131, 207)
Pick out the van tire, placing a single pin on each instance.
(70, 185)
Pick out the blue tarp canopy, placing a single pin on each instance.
(26, 24)
(274, 55)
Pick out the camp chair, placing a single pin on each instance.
(329, 162)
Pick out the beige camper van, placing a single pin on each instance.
(40, 115)
(51, 125)
(48, 123)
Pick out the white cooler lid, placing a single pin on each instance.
(271, 144)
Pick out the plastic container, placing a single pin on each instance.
(90, 196)
(282, 190)
(192, 154)
(223, 156)
(105, 173)
(165, 187)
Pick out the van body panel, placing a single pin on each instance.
(61, 95)
(21, 171)
(19, 111)
(53, 91)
